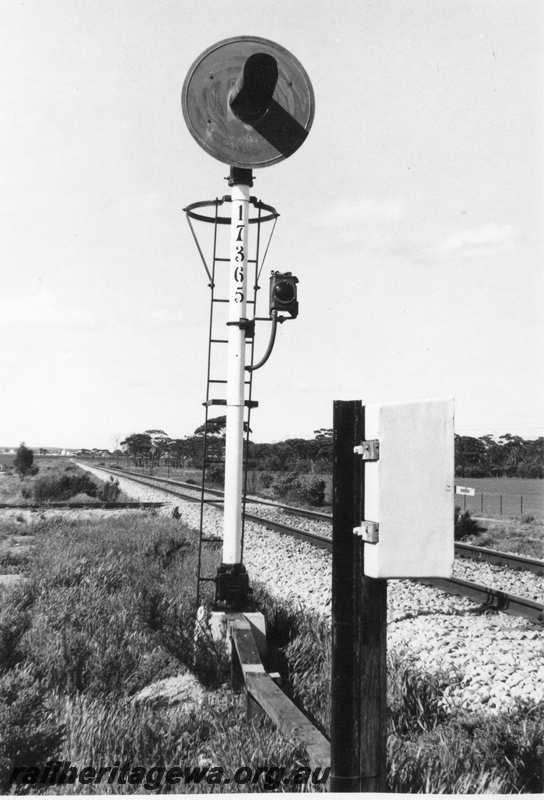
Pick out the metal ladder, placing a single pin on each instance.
(211, 456)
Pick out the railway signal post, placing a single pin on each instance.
(249, 103)
(232, 578)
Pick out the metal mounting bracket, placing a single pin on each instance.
(247, 325)
(368, 531)
(369, 450)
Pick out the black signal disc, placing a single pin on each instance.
(262, 139)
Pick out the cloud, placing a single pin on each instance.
(486, 240)
(41, 308)
(362, 211)
(371, 221)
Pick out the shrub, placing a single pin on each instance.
(313, 491)
(283, 486)
(216, 473)
(299, 488)
(62, 487)
(266, 479)
(23, 460)
(464, 525)
(527, 519)
(110, 491)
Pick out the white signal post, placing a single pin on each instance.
(232, 531)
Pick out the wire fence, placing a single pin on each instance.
(502, 504)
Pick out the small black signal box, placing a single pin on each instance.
(283, 293)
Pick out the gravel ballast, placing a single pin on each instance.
(492, 658)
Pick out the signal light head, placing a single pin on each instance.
(283, 293)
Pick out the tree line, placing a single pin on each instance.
(300, 455)
(475, 457)
(504, 456)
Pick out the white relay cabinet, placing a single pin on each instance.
(409, 490)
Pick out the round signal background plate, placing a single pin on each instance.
(206, 110)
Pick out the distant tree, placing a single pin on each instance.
(138, 445)
(215, 427)
(24, 459)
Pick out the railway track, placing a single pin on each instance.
(487, 597)
(462, 550)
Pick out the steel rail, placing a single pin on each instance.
(511, 560)
(463, 550)
(56, 505)
(492, 599)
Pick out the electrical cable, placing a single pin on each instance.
(271, 341)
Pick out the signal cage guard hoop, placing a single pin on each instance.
(258, 204)
(191, 214)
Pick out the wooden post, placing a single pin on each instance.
(346, 551)
(359, 620)
(373, 677)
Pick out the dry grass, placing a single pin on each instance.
(524, 536)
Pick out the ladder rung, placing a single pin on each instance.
(226, 341)
(206, 580)
(249, 260)
(216, 380)
(211, 539)
(220, 402)
(215, 460)
(226, 300)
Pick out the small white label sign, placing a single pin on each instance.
(465, 490)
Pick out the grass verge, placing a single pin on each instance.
(431, 748)
(108, 610)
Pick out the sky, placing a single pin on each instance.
(412, 215)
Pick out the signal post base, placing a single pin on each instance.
(232, 588)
